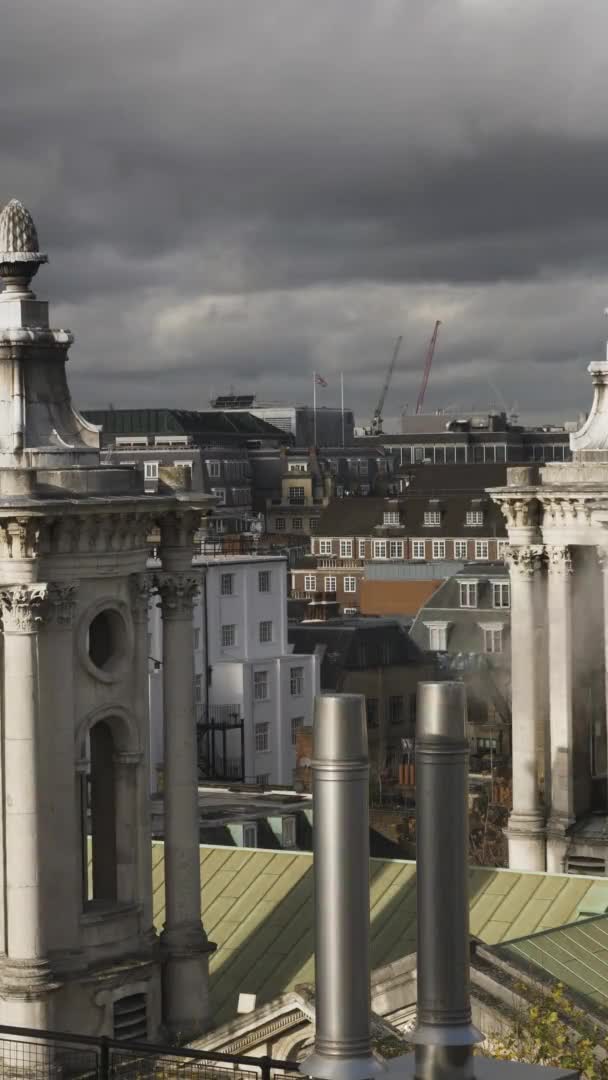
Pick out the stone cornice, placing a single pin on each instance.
(24, 537)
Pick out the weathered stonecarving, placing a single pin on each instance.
(76, 933)
(557, 517)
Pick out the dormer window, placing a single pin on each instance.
(474, 517)
(468, 594)
(432, 517)
(391, 517)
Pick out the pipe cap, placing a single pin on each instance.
(340, 728)
(442, 710)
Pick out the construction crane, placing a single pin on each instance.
(375, 428)
(427, 367)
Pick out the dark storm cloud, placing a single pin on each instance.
(244, 191)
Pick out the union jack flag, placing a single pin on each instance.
(320, 380)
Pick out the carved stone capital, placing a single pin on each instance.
(177, 593)
(518, 511)
(62, 602)
(24, 608)
(559, 559)
(141, 587)
(526, 561)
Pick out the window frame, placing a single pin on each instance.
(225, 644)
(438, 549)
(227, 584)
(260, 682)
(325, 546)
(416, 544)
(296, 682)
(351, 579)
(479, 546)
(262, 737)
(310, 578)
(328, 588)
(153, 466)
(466, 590)
(503, 588)
(264, 575)
(267, 625)
(346, 549)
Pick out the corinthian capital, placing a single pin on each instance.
(62, 602)
(24, 608)
(177, 593)
(559, 559)
(141, 587)
(525, 561)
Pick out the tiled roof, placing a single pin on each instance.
(258, 908)
(363, 515)
(576, 955)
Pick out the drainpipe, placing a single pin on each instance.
(340, 779)
(445, 1035)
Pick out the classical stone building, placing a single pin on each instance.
(78, 950)
(556, 516)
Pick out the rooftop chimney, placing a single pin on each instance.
(340, 772)
(444, 1036)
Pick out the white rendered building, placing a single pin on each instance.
(240, 626)
(557, 521)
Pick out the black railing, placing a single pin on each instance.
(48, 1055)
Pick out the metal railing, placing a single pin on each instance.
(50, 1055)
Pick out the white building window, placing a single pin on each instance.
(481, 549)
(324, 547)
(395, 549)
(264, 581)
(260, 685)
(296, 681)
(474, 517)
(228, 635)
(151, 470)
(492, 639)
(296, 494)
(297, 524)
(346, 549)
(297, 722)
(438, 549)
(501, 594)
(418, 549)
(220, 495)
(313, 524)
(379, 549)
(391, 517)
(350, 584)
(261, 738)
(288, 832)
(227, 584)
(361, 548)
(279, 524)
(468, 594)
(250, 835)
(297, 466)
(214, 468)
(432, 517)
(265, 631)
(438, 636)
(461, 549)
(330, 584)
(310, 582)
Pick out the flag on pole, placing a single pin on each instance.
(321, 381)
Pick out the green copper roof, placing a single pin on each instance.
(576, 955)
(258, 908)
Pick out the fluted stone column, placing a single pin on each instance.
(526, 833)
(561, 812)
(186, 949)
(26, 977)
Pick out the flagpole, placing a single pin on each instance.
(342, 402)
(314, 407)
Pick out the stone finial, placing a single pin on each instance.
(17, 230)
(20, 256)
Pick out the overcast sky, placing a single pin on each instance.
(236, 193)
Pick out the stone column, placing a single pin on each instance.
(141, 586)
(526, 832)
(26, 977)
(561, 665)
(603, 561)
(186, 949)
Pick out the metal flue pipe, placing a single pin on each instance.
(340, 777)
(444, 1035)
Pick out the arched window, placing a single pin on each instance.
(99, 817)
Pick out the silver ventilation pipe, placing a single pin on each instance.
(444, 1035)
(340, 779)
